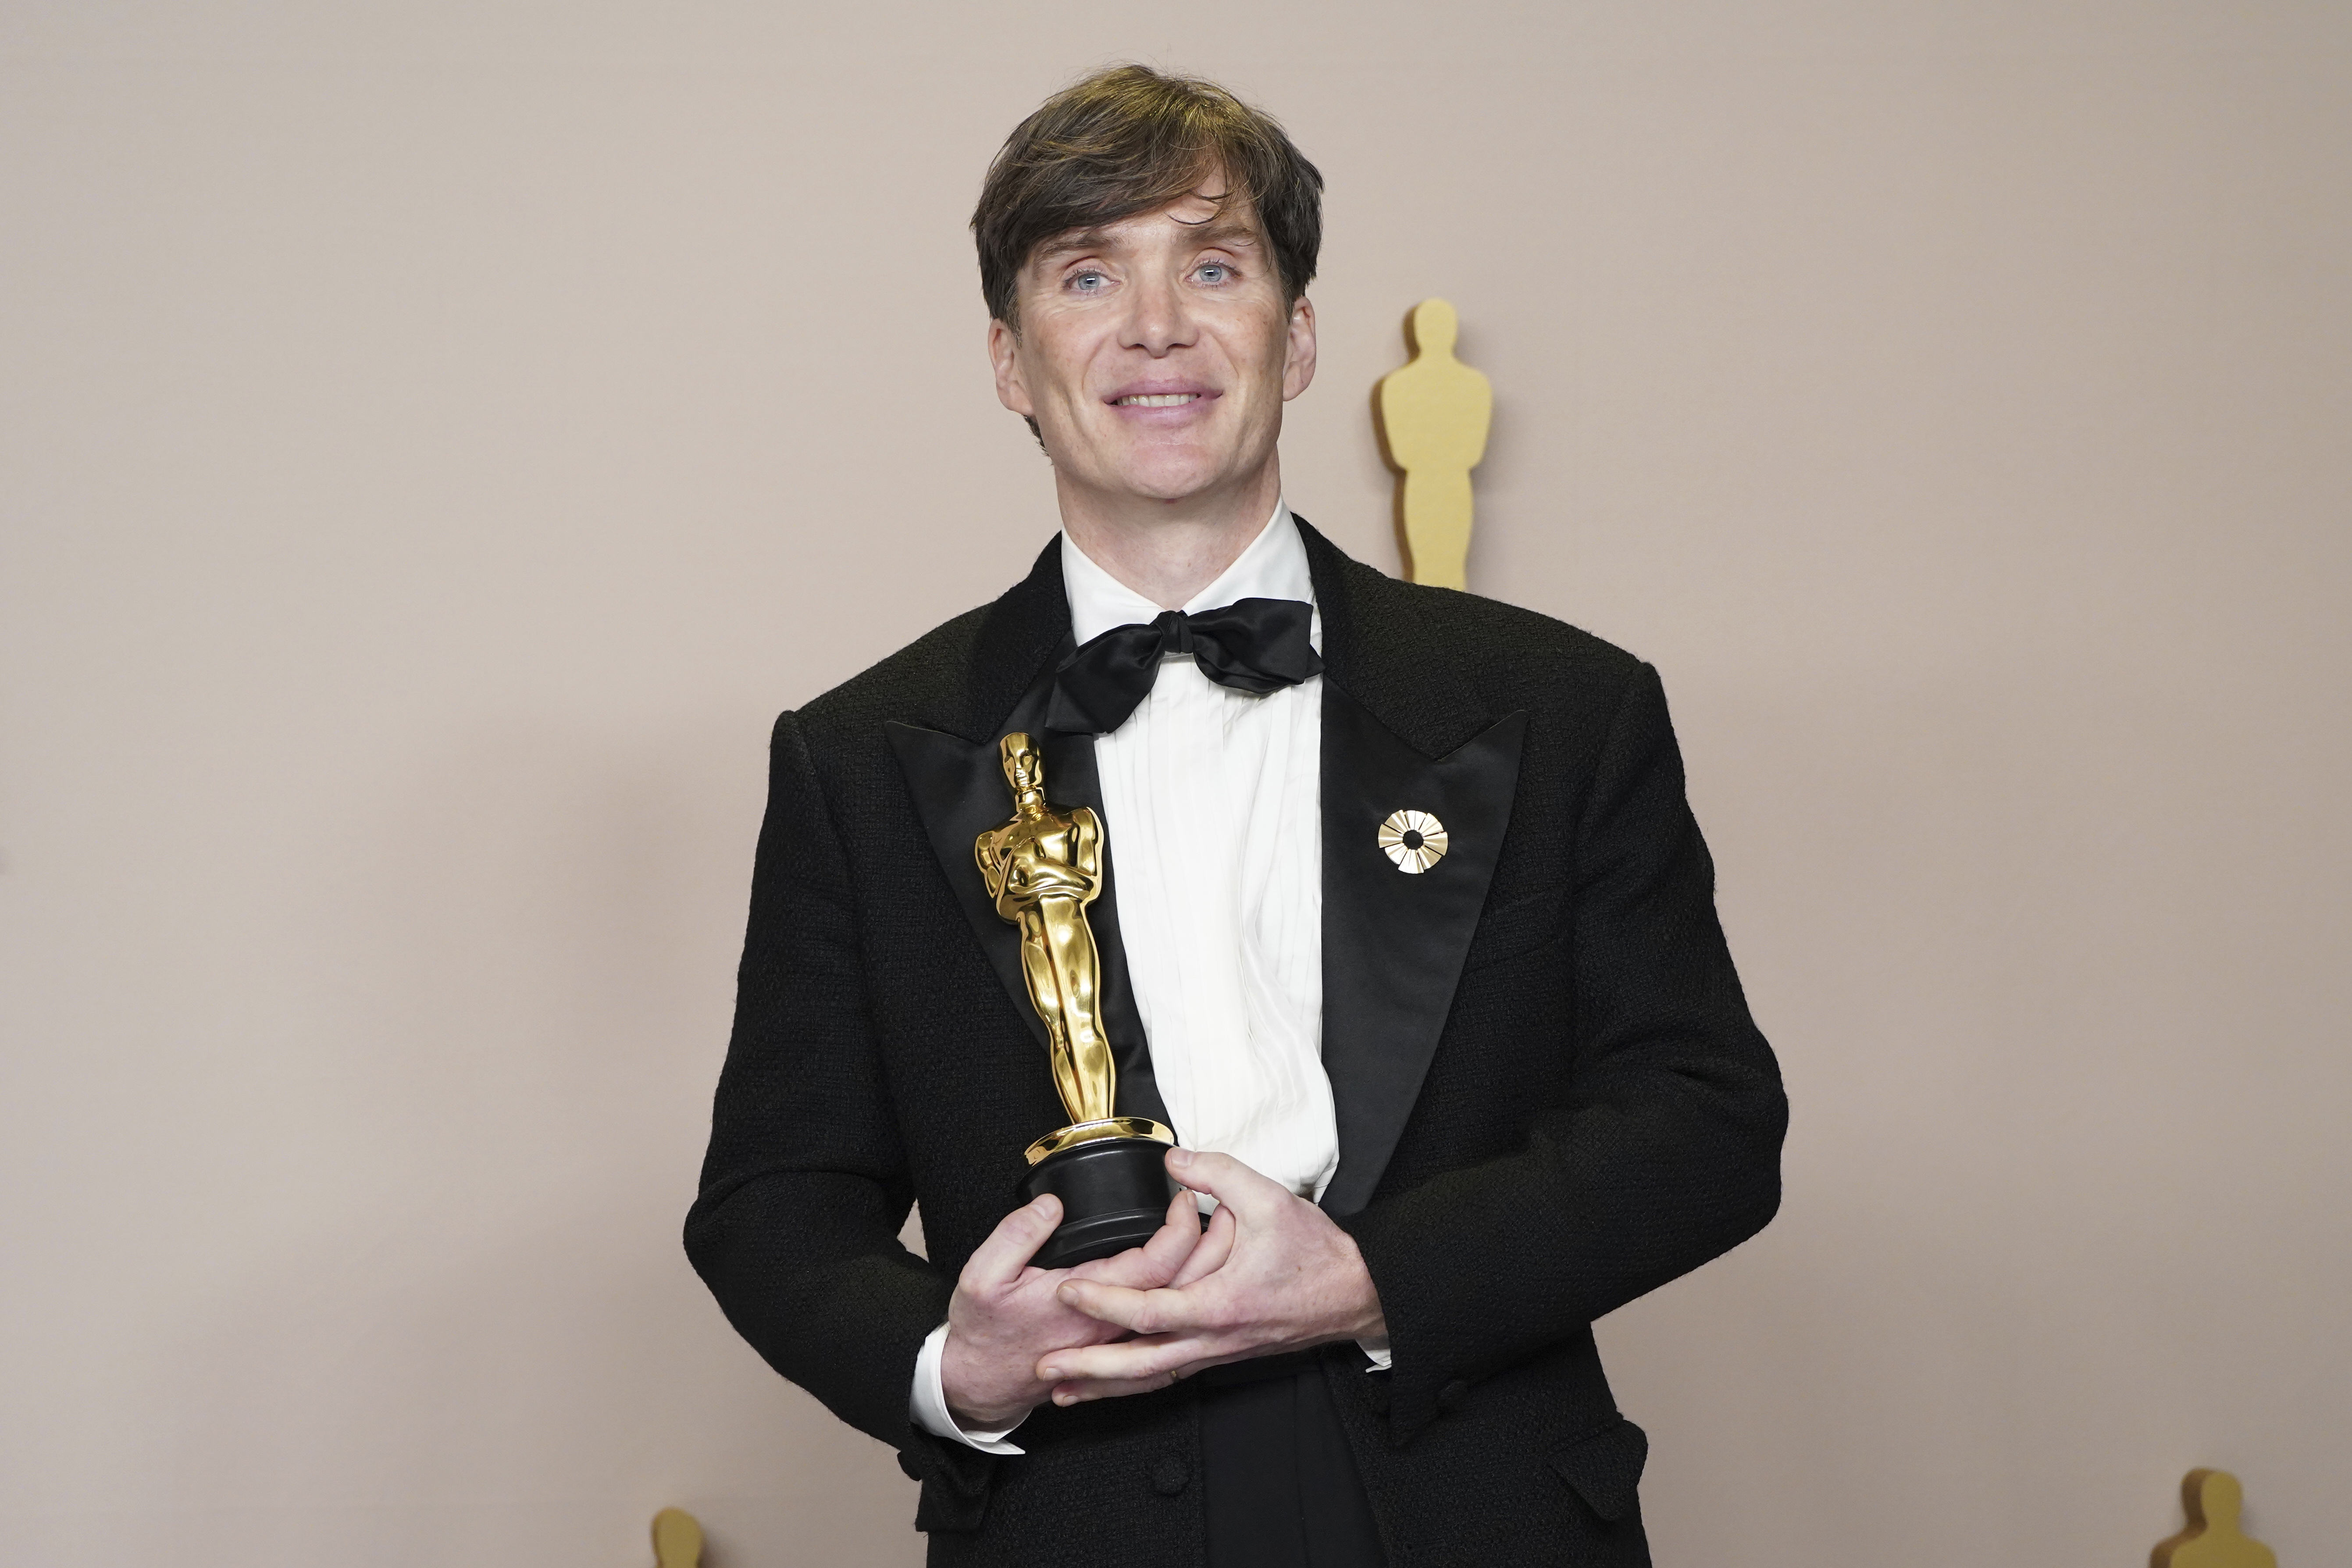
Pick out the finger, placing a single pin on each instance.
(1144, 1311)
(1229, 1181)
(1080, 1393)
(1157, 1260)
(1126, 1361)
(1177, 1237)
(998, 1261)
(1215, 1246)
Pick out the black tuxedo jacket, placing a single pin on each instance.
(1551, 1096)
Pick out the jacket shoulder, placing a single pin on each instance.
(910, 684)
(962, 675)
(1513, 656)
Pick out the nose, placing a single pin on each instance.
(1157, 318)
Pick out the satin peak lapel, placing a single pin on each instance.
(1394, 941)
(960, 792)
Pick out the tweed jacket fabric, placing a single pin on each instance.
(1599, 1115)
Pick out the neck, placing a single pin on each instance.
(1169, 550)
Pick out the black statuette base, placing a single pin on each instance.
(1114, 1194)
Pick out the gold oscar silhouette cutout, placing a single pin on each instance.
(2212, 1499)
(677, 1539)
(1043, 868)
(1433, 415)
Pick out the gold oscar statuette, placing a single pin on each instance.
(1041, 869)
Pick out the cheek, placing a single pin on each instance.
(1055, 362)
(1260, 351)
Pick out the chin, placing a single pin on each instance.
(1173, 476)
(1163, 486)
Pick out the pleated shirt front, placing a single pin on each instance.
(1213, 811)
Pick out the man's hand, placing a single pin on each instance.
(1271, 1274)
(1004, 1315)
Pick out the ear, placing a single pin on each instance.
(1004, 355)
(1298, 359)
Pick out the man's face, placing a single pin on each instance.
(1156, 353)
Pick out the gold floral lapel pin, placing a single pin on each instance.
(1413, 840)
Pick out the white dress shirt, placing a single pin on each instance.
(1213, 815)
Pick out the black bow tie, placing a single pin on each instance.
(1251, 644)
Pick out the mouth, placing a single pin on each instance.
(1163, 396)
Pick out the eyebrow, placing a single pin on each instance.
(1085, 240)
(1226, 231)
(1232, 233)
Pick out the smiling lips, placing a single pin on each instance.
(1156, 399)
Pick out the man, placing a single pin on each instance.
(1407, 932)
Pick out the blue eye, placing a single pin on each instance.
(1087, 282)
(1214, 272)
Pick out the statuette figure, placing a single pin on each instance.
(1043, 868)
(1434, 416)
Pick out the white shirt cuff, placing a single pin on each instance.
(1380, 1358)
(927, 1404)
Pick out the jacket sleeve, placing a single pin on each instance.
(805, 1185)
(1668, 1153)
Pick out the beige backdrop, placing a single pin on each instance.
(438, 437)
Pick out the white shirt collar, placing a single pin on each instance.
(1273, 567)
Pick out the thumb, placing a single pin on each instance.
(1227, 1180)
(998, 1261)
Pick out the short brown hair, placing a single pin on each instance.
(1126, 141)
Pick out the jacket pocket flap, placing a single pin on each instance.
(1605, 1468)
(1525, 923)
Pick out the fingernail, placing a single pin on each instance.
(1052, 1375)
(1179, 1156)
